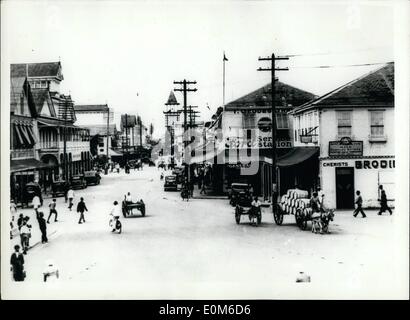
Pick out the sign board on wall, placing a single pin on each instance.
(345, 147)
(259, 143)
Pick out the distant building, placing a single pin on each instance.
(354, 127)
(97, 118)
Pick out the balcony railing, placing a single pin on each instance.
(48, 145)
(22, 154)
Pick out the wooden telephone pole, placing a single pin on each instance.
(272, 69)
(185, 90)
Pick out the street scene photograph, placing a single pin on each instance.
(204, 150)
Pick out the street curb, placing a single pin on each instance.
(38, 242)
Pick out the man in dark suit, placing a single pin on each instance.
(17, 264)
(43, 226)
(81, 207)
(383, 202)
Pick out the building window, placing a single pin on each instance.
(344, 123)
(282, 121)
(376, 123)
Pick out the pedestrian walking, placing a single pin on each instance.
(36, 203)
(13, 212)
(25, 235)
(53, 210)
(203, 187)
(383, 202)
(17, 264)
(81, 207)
(43, 226)
(70, 196)
(20, 221)
(358, 202)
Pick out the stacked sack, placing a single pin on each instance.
(295, 200)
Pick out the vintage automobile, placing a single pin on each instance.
(92, 177)
(179, 173)
(78, 182)
(59, 187)
(170, 183)
(240, 193)
(31, 189)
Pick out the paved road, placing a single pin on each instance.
(195, 248)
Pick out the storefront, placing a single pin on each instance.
(341, 178)
(24, 171)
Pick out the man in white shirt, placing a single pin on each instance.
(255, 208)
(128, 198)
(70, 196)
(115, 215)
(25, 233)
(36, 202)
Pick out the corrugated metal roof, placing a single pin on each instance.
(46, 69)
(375, 88)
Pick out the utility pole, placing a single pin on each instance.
(185, 90)
(126, 138)
(63, 114)
(272, 69)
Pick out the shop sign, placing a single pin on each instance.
(238, 165)
(258, 143)
(335, 164)
(375, 164)
(345, 147)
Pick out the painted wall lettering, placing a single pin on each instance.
(375, 164)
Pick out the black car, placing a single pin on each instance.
(92, 177)
(31, 189)
(59, 188)
(171, 183)
(240, 193)
(78, 182)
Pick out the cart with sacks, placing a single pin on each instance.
(294, 202)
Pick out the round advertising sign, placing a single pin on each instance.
(264, 124)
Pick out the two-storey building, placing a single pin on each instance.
(57, 135)
(242, 135)
(354, 127)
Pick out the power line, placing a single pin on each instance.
(333, 53)
(340, 66)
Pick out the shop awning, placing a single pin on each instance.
(296, 156)
(27, 164)
(55, 123)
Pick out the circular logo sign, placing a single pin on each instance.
(264, 124)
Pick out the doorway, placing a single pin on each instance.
(345, 188)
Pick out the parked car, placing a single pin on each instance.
(59, 188)
(31, 189)
(171, 183)
(92, 177)
(240, 193)
(78, 182)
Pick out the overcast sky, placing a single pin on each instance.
(129, 53)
